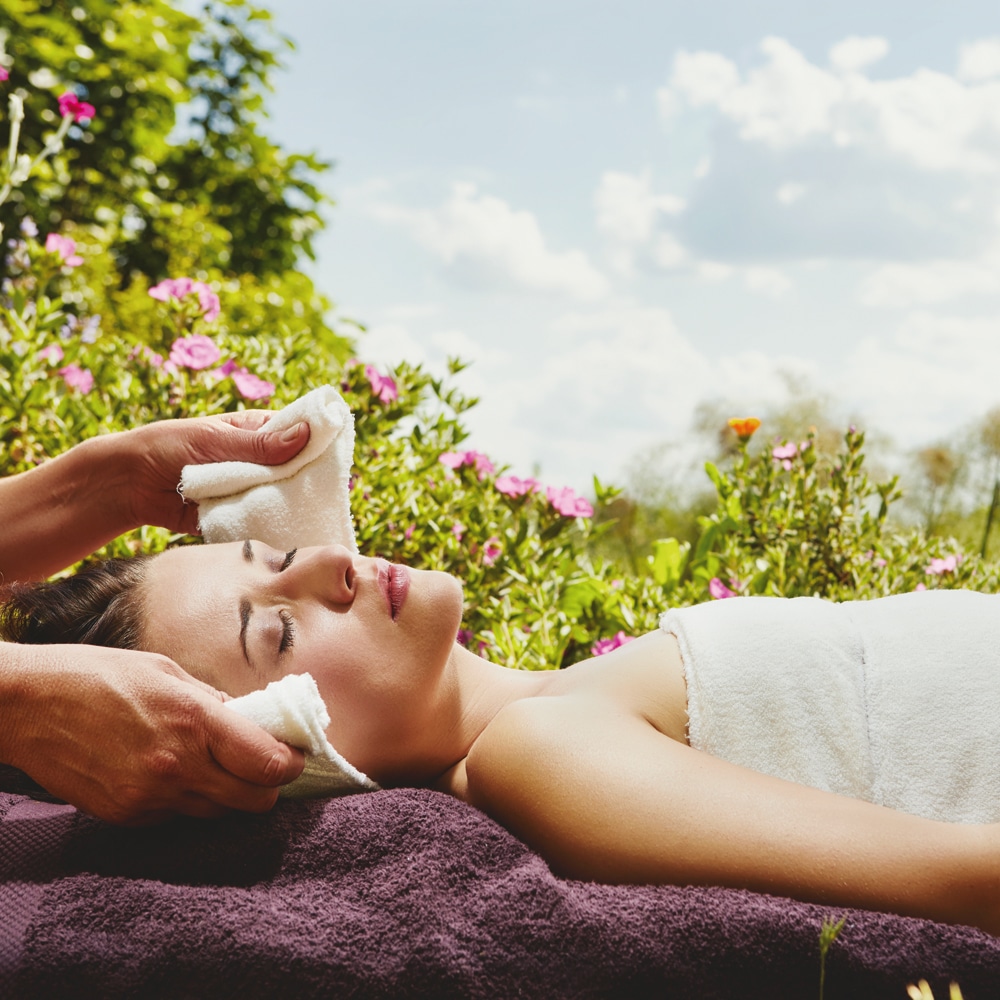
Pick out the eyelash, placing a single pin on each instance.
(287, 625)
(287, 632)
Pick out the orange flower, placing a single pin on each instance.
(744, 426)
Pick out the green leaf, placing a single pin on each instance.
(668, 560)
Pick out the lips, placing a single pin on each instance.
(394, 582)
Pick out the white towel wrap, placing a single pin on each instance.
(303, 502)
(292, 711)
(895, 701)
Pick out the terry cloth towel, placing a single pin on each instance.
(292, 711)
(894, 701)
(303, 502)
(411, 893)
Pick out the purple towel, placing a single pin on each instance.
(410, 893)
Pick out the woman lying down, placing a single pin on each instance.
(839, 753)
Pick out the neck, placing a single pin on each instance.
(476, 691)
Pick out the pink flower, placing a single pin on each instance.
(196, 351)
(64, 248)
(180, 288)
(464, 636)
(4, 75)
(456, 459)
(492, 550)
(920, 586)
(170, 288)
(53, 354)
(408, 534)
(383, 387)
(71, 106)
(77, 378)
(457, 530)
(939, 567)
(567, 503)
(208, 302)
(512, 486)
(784, 453)
(719, 590)
(252, 387)
(603, 646)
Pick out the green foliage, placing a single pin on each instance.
(799, 525)
(178, 99)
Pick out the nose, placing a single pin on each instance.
(325, 572)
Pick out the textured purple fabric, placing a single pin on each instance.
(410, 893)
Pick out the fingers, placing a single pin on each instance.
(248, 752)
(248, 420)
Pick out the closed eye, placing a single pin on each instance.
(289, 556)
(287, 632)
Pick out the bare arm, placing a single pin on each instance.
(71, 505)
(602, 795)
(130, 737)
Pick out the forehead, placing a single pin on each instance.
(193, 603)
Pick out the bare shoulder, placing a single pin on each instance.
(525, 737)
(542, 760)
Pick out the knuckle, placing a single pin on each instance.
(165, 764)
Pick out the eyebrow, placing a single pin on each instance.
(246, 608)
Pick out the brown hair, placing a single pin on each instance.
(102, 605)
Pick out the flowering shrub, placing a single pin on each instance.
(77, 360)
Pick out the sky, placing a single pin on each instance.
(617, 212)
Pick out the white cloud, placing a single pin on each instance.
(790, 193)
(634, 379)
(907, 285)
(482, 237)
(979, 60)
(767, 281)
(389, 343)
(934, 373)
(668, 253)
(854, 54)
(927, 119)
(702, 77)
(631, 216)
(627, 209)
(713, 270)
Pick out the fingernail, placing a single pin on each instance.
(292, 433)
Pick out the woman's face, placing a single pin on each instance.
(377, 638)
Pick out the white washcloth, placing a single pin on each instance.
(303, 502)
(895, 701)
(292, 711)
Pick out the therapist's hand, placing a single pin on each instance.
(158, 453)
(132, 738)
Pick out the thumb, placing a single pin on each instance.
(265, 447)
(251, 753)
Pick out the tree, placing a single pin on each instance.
(175, 135)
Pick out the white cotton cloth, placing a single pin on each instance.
(292, 711)
(895, 701)
(303, 502)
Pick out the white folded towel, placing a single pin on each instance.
(292, 711)
(303, 502)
